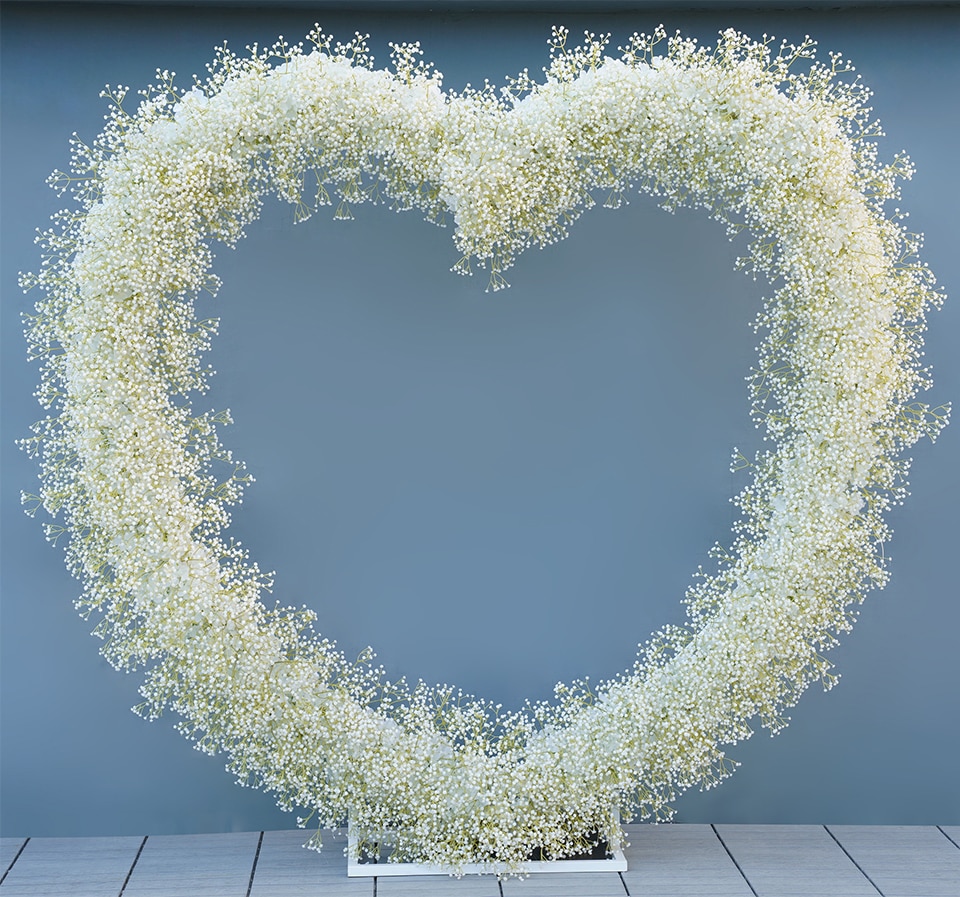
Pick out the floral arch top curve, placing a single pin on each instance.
(143, 484)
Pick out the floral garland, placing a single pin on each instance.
(143, 484)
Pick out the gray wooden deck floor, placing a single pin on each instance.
(665, 861)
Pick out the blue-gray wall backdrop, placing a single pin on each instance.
(496, 490)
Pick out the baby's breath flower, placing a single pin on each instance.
(142, 483)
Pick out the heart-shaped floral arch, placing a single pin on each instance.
(143, 484)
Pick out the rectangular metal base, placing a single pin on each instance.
(616, 862)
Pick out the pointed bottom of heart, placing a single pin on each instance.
(374, 861)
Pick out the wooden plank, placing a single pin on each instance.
(665, 861)
(794, 861)
(903, 860)
(9, 848)
(439, 886)
(78, 867)
(285, 868)
(194, 866)
(681, 861)
(559, 884)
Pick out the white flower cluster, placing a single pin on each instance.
(143, 486)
